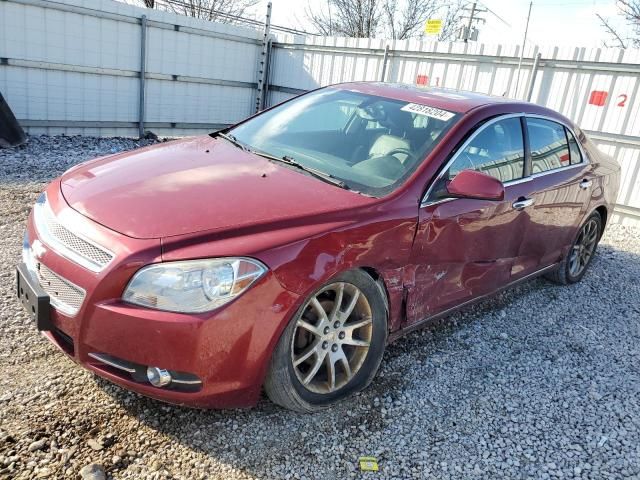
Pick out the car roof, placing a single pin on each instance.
(459, 101)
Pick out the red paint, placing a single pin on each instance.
(598, 98)
(472, 184)
(178, 201)
(422, 79)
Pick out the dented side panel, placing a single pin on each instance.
(463, 249)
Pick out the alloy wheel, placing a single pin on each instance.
(332, 338)
(583, 249)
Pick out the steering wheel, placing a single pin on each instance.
(402, 151)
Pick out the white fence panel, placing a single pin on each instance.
(73, 67)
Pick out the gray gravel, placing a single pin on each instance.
(540, 382)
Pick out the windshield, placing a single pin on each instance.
(370, 143)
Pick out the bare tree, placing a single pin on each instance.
(451, 15)
(612, 31)
(406, 19)
(213, 10)
(630, 9)
(349, 18)
(320, 20)
(397, 19)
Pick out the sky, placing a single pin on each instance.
(559, 22)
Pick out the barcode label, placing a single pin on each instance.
(428, 111)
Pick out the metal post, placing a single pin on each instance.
(473, 12)
(267, 76)
(262, 64)
(534, 73)
(524, 41)
(143, 74)
(385, 59)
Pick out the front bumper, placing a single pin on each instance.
(227, 349)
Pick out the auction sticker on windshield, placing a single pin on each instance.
(428, 111)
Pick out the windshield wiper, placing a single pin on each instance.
(319, 174)
(327, 177)
(230, 138)
(315, 172)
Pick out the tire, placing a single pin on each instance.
(310, 331)
(566, 273)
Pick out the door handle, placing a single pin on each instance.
(584, 184)
(523, 203)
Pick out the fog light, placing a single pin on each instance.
(158, 377)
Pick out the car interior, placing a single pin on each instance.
(378, 141)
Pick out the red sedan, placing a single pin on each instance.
(285, 252)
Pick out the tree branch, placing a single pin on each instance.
(611, 31)
(630, 10)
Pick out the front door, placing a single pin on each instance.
(465, 248)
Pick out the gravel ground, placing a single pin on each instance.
(540, 382)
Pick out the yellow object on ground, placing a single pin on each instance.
(368, 464)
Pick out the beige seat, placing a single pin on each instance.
(387, 143)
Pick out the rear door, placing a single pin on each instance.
(560, 190)
(465, 248)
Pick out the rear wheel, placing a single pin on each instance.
(332, 347)
(574, 265)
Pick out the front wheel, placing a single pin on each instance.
(575, 263)
(332, 347)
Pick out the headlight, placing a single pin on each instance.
(192, 286)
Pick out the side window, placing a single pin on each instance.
(497, 150)
(548, 141)
(574, 150)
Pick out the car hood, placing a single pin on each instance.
(193, 185)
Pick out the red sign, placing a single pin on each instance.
(422, 79)
(598, 98)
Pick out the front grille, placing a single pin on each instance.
(67, 243)
(77, 244)
(64, 295)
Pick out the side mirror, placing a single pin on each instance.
(473, 184)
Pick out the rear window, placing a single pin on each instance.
(549, 146)
(574, 150)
